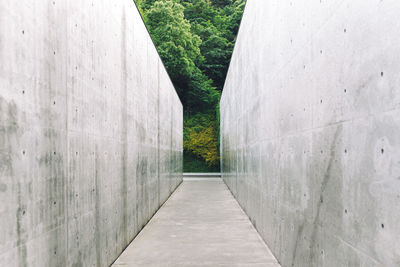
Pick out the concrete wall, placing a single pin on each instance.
(311, 129)
(90, 131)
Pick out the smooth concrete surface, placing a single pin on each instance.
(310, 129)
(200, 225)
(90, 131)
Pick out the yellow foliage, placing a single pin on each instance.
(203, 144)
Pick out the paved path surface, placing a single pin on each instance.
(200, 225)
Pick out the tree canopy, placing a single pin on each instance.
(195, 39)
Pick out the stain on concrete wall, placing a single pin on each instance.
(90, 131)
(310, 129)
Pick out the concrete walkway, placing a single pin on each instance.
(200, 225)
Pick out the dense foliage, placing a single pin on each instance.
(195, 40)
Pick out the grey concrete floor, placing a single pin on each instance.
(200, 225)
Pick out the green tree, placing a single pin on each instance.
(177, 46)
(221, 3)
(195, 39)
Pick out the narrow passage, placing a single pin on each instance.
(200, 225)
